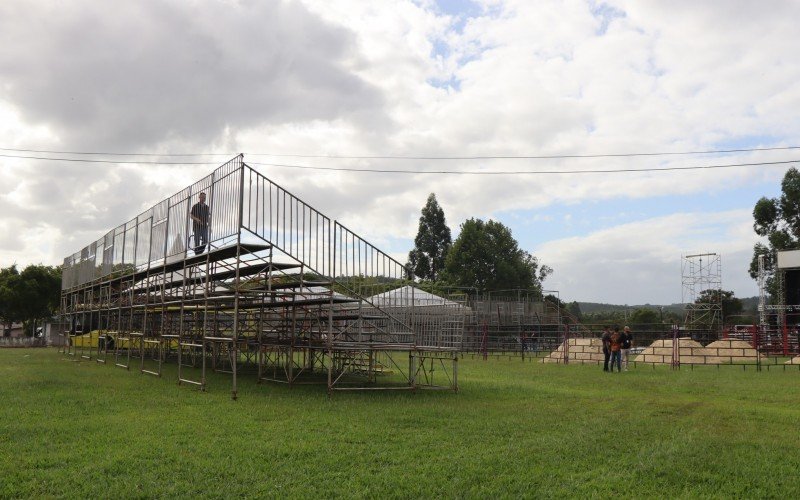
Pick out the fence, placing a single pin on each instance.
(22, 342)
(654, 344)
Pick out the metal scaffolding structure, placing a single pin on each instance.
(280, 291)
(778, 330)
(513, 321)
(702, 273)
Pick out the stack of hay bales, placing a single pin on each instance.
(580, 351)
(728, 351)
(720, 352)
(660, 351)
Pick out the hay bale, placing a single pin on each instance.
(731, 344)
(653, 358)
(706, 351)
(660, 351)
(733, 351)
(581, 350)
(583, 342)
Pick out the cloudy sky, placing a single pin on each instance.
(425, 78)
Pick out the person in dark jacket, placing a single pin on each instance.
(200, 216)
(606, 347)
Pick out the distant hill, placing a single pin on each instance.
(749, 303)
(595, 307)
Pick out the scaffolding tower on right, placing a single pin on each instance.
(701, 277)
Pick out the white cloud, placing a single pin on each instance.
(639, 262)
(134, 75)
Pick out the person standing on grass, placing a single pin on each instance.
(606, 347)
(627, 343)
(616, 347)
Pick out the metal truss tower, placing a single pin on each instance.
(701, 277)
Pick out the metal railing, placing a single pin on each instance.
(162, 233)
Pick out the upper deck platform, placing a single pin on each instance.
(247, 214)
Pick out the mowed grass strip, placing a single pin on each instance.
(516, 429)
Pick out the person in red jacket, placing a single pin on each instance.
(616, 348)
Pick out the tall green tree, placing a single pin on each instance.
(485, 256)
(575, 309)
(645, 315)
(432, 242)
(10, 304)
(730, 304)
(30, 295)
(778, 220)
(41, 291)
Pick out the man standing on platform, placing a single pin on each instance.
(200, 216)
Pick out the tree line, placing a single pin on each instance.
(28, 296)
(486, 257)
(732, 308)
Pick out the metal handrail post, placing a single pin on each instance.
(237, 291)
(329, 340)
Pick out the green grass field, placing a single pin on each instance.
(80, 429)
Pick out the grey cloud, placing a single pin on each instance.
(129, 75)
(9, 237)
(83, 198)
